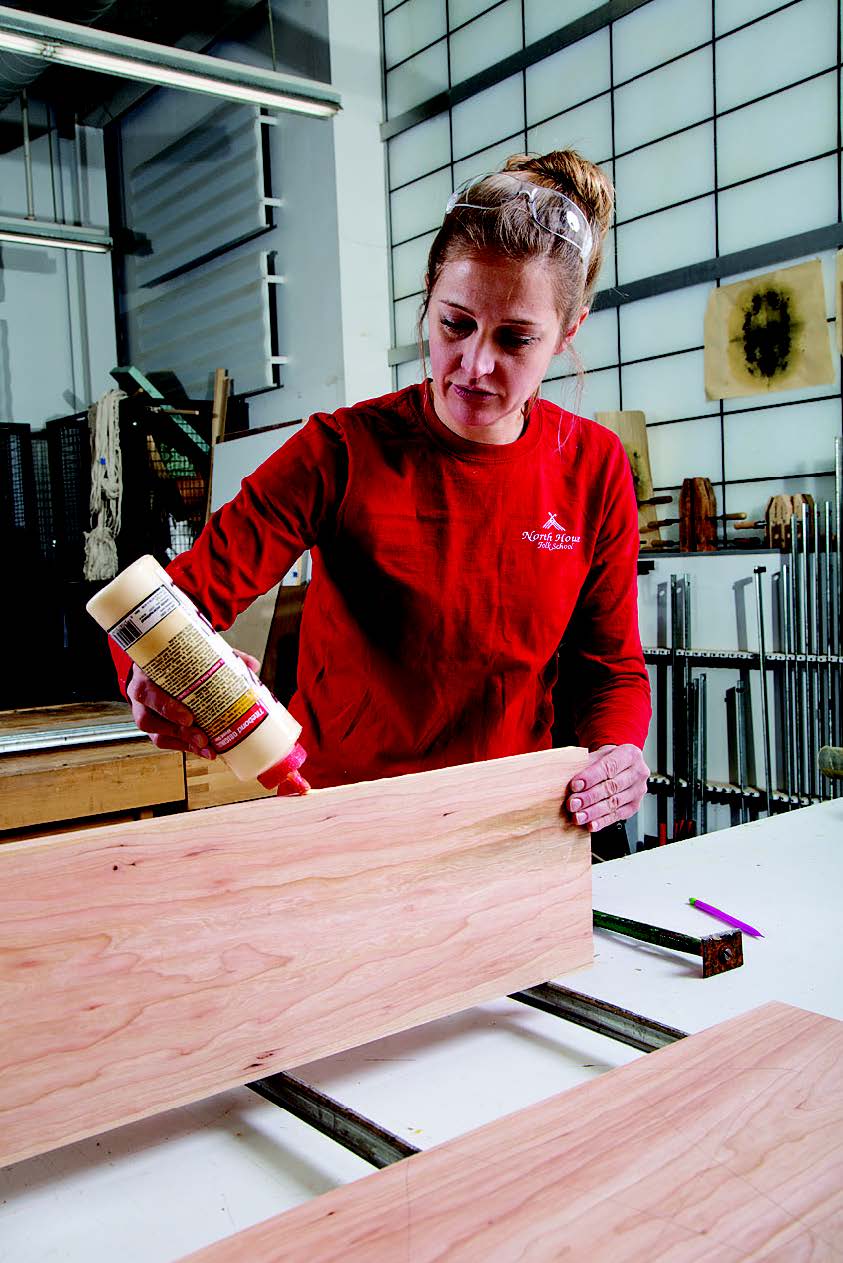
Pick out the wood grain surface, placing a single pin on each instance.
(725, 1146)
(150, 964)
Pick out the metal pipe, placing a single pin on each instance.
(702, 746)
(804, 575)
(675, 715)
(838, 522)
(787, 706)
(837, 581)
(693, 755)
(27, 156)
(690, 731)
(801, 623)
(740, 743)
(793, 604)
(826, 621)
(765, 703)
(815, 596)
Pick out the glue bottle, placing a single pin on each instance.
(171, 640)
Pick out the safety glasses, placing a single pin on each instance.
(550, 209)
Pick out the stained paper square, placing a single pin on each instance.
(768, 333)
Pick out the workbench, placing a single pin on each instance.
(152, 1191)
(76, 765)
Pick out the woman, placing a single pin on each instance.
(462, 529)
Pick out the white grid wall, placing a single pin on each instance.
(719, 122)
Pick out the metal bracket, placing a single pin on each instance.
(720, 952)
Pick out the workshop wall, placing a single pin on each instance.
(720, 125)
(300, 248)
(57, 340)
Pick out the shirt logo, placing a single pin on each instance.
(552, 537)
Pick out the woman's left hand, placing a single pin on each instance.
(610, 787)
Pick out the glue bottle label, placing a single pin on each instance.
(202, 672)
(146, 615)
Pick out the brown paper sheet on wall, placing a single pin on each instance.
(838, 299)
(768, 333)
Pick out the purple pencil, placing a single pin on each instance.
(724, 916)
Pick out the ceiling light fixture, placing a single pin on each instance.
(34, 232)
(87, 48)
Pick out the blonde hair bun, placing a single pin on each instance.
(570, 173)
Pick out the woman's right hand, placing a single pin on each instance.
(168, 724)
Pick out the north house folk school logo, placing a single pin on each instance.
(552, 536)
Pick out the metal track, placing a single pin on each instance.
(598, 1015)
(62, 738)
(355, 1132)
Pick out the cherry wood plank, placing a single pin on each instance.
(725, 1146)
(146, 965)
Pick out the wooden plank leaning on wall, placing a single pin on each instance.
(154, 963)
(726, 1145)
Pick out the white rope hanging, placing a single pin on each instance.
(106, 487)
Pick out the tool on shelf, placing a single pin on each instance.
(776, 523)
(799, 699)
(830, 761)
(697, 516)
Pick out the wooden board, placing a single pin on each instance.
(631, 428)
(725, 1146)
(151, 964)
(79, 781)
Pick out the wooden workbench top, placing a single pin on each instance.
(69, 715)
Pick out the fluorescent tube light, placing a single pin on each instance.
(88, 48)
(34, 232)
(65, 243)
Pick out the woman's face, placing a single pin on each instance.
(493, 328)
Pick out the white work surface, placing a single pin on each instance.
(155, 1190)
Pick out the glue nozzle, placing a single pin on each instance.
(287, 769)
(298, 782)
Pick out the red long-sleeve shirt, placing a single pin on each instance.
(445, 575)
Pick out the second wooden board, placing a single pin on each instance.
(150, 964)
(723, 1147)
